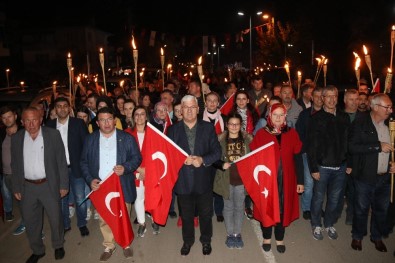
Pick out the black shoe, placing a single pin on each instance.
(220, 218)
(34, 258)
(281, 248)
(84, 231)
(59, 253)
(307, 215)
(185, 249)
(67, 230)
(135, 221)
(173, 214)
(206, 249)
(248, 213)
(379, 245)
(267, 247)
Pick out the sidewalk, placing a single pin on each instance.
(165, 247)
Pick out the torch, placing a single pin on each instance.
(318, 68)
(392, 135)
(356, 67)
(135, 58)
(101, 58)
(286, 66)
(325, 68)
(162, 63)
(54, 89)
(200, 73)
(69, 66)
(388, 81)
(392, 44)
(299, 82)
(368, 63)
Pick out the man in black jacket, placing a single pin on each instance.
(326, 154)
(370, 146)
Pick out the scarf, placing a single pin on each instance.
(216, 116)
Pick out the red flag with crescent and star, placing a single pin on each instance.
(163, 159)
(226, 108)
(168, 123)
(258, 172)
(109, 202)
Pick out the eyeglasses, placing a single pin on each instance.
(161, 110)
(190, 108)
(388, 108)
(106, 120)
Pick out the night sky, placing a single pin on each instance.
(337, 27)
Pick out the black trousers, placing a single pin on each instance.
(204, 205)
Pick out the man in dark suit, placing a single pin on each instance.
(105, 151)
(73, 132)
(39, 180)
(194, 186)
(370, 146)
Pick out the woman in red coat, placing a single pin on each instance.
(287, 144)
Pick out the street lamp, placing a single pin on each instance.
(240, 13)
(7, 71)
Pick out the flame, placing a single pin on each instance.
(101, 50)
(121, 83)
(389, 70)
(325, 61)
(200, 60)
(78, 79)
(69, 55)
(357, 63)
(168, 66)
(286, 66)
(161, 51)
(365, 50)
(54, 83)
(226, 80)
(355, 55)
(393, 28)
(133, 44)
(319, 60)
(141, 73)
(299, 74)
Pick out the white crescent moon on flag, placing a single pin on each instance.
(258, 169)
(161, 156)
(108, 199)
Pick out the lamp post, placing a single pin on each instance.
(250, 31)
(7, 72)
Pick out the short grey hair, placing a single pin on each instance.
(188, 98)
(377, 98)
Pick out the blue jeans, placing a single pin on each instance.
(377, 197)
(234, 209)
(6, 192)
(308, 185)
(77, 187)
(330, 184)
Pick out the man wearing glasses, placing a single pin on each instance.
(194, 186)
(105, 151)
(370, 145)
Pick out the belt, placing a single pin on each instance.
(39, 181)
(381, 174)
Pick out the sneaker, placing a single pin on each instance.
(179, 221)
(317, 233)
(155, 228)
(96, 215)
(173, 214)
(19, 230)
(141, 231)
(196, 221)
(230, 241)
(239, 244)
(332, 234)
(88, 214)
(107, 253)
(71, 211)
(248, 213)
(9, 217)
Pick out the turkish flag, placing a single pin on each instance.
(109, 202)
(258, 171)
(167, 123)
(226, 108)
(217, 125)
(163, 159)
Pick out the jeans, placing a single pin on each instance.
(77, 187)
(308, 185)
(330, 183)
(234, 209)
(375, 196)
(6, 192)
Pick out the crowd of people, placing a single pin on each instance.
(327, 155)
